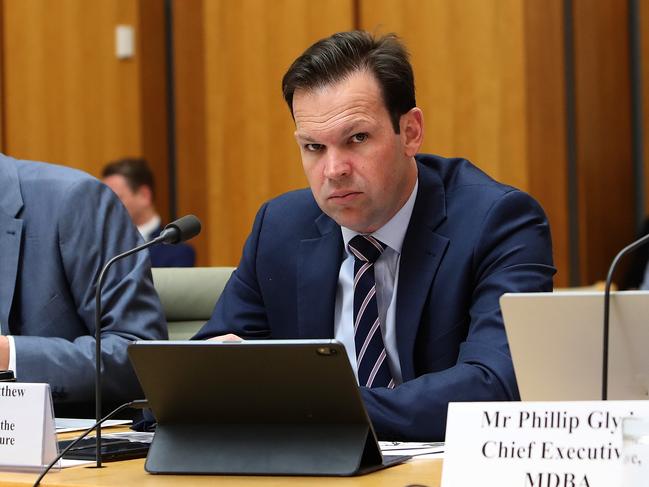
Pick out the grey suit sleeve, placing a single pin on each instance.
(93, 227)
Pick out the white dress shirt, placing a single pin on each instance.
(146, 229)
(12, 355)
(386, 272)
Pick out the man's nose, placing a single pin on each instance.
(337, 164)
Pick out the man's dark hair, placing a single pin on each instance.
(334, 58)
(135, 171)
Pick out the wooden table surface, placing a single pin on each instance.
(415, 472)
(420, 472)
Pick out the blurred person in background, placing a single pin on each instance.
(132, 181)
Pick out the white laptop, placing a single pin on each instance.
(556, 344)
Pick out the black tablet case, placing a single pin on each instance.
(256, 408)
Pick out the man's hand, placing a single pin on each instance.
(230, 337)
(4, 352)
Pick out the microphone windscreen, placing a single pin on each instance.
(184, 228)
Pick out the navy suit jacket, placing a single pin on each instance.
(58, 227)
(470, 239)
(178, 255)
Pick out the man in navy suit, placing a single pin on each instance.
(132, 180)
(58, 227)
(445, 242)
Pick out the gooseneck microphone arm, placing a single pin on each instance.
(99, 285)
(138, 404)
(607, 298)
(178, 231)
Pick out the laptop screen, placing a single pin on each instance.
(556, 344)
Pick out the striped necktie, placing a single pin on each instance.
(373, 368)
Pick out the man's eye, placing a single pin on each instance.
(356, 138)
(313, 147)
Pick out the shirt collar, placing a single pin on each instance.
(146, 229)
(393, 232)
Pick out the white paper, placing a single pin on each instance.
(64, 425)
(413, 449)
(140, 436)
(66, 463)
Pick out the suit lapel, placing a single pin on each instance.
(318, 267)
(11, 231)
(155, 233)
(421, 256)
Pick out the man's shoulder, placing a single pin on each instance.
(299, 203)
(42, 180)
(45, 187)
(302, 196)
(466, 193)
(54, 176)
(466, 186)
(293, 215)
(50, 196)
(458, 174)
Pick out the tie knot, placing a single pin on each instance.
(366, 248)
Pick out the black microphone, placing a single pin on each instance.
(180, 230)
(607, 298)
(177, 231)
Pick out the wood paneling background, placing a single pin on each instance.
(644, 16)
(151, 86)
(468, 59)
(67, 98)
(191, 131)
(243, 124)
(603, 125)
(490, 78)
(547, 155)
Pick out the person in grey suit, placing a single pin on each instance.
(58, 226)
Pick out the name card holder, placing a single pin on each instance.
(537, 444)
(27, 429)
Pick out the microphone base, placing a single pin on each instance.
(112, 449)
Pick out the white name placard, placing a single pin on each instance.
(536, 444)
(27, 431)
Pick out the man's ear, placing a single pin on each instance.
(411, 127)
(145, 193)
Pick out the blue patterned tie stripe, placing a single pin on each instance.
(373, 368)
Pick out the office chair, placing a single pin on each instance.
(188, 296)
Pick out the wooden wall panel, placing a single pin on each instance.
(468, 59)
(603, 118)
(489, 77)
(250, 153)
(546, 123)
(191, 131)
(152, 96)
(644, 26)
(67, 98)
